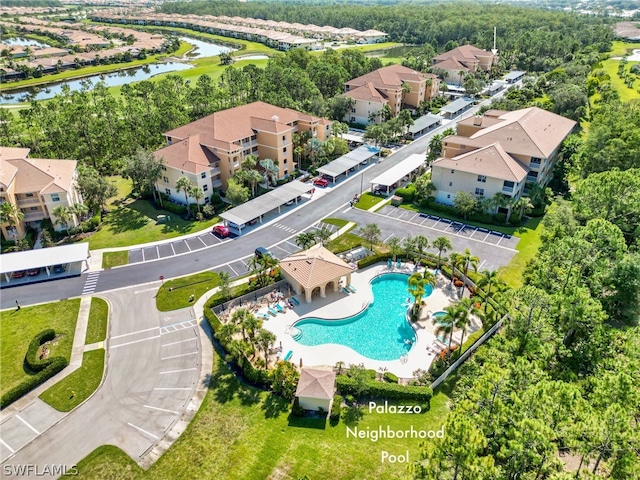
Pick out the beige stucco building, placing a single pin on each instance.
(457, 63)
(316, 389)
(500, 152)
(210, 150)
(314, 270)
(36, 186)
(386, 86)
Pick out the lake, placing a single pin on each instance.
(114, 79)
(25, 42)
(204, 49)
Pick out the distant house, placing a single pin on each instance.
(396, 86)
(210, 150)
(460, 61)
(36, 186)
(316, 389)
(500, 152)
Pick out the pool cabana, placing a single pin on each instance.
(314, 270)
(316, 389)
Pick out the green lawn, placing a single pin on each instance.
(98, 321)
(244, 433)
(131, 222)
(115, 259)
(345, 242)
(527, 249)
(626, 94)
(368, 200)
(74, 389)
(339, 222)
(174, 294)
(618, 48)
(17, 329)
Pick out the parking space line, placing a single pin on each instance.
(486, 236)
(25, 422)
(6, 445)
(499, 241)
(480, 266)
(179, 341)
(187, 244)
(142, 430)
(425, 219)
(346, 209)
(437, 222)
(137, 331)
(172, 249)
(232, 269)
(157, 251)
(161, 409)
(181, 355)
(386, 239)
(291, 243)
(177, 371)
(278, 246)
(135, 341)
(411, 219)
(201, 241)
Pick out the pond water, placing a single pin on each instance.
(393, 52)
(24, 42)
(204, 49)
(110, 79)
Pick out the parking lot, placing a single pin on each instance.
(178, 247)
(451, 227)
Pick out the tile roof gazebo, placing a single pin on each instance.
(316, 389)
(313, 270)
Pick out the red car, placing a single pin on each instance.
(33, 272)
(221, 231)
(19, 274)
(321, 182)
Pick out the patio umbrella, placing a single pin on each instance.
(300, 362)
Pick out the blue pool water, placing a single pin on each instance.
(380, 332)
(439, 315)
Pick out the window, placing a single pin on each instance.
(453, 171)
(205, 188)
(448, 196)
(353, 110)
(482, 178)
(451, 184)
(507, 183)
(166, 179)
(284, 138)
(480, 191)
(203, 175)
(353, 119)
(284, 150)
(28, 195)
(285, 161)
(167, 191)
(164, 168)
(55, 197)
(33, 208)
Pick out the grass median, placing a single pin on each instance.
(98, 321)
(75, 388)
(175, 294)
(18, 328)
(115, 259)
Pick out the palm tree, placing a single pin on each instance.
(395, 246)
(184, 184)
(417, 283)
(456, 260)
(271, 170)
(225, 284)
(376, 134)
(305, 239)
(197, 194)
(63, 216)
(238, 318)
(442, 244)
(226, 332)
(253, 178)
(409, 246)
(421, 244)
(522, 204)
(489, 278)
(323, 234)
(80, 210)
(469, 261)
(314, 150)
(464, 309)
(264, 340)
(447, 324)
(11, 214)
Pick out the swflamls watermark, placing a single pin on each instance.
(34, 470)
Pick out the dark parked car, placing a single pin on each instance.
(59, 268)
(221, 231)
(263, 252)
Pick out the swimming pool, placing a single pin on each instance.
(438, 316)
(380, 332)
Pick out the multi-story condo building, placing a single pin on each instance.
(500, 152)
(210, 150)
(36, 186)
(396, 86)
(460, 61)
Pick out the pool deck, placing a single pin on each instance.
(339, 305)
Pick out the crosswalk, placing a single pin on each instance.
(285, 228)
(177, 326)
(90, 283)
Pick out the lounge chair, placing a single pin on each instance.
(351, 288)
(399, 264)
(346, 290)
(263, 315)
(389, 264)
(295, 300)
(279, 307)
(288, 355)
(273, 311)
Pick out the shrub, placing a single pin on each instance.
(394, 391)
(408, 193)
(539, 211)
(174, 208)
(390, 377)
(296, 409)
(515, 219)
(350, 398)
(385, 152)
(336, 408)
(372, 374)
(45, 369)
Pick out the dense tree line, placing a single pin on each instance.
(530, 39)
(101, 129)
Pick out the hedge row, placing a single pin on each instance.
(45, 369)
(375, 389)
(427, 259)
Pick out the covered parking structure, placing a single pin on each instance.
(73, 257)
(424, 124)
(456, 107)
(396, 173)
(353, 159)
(237, 218)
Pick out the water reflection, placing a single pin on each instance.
(25, 42)
(204, 49)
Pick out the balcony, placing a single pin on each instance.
(507, 189)
(28, 201)
(34, 217)
(532, 179)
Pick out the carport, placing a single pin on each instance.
(74, 256)
(236, 218)
(353, 159)
(456, 107)
(424, 124)
(399, 171)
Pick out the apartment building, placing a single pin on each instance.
(396, 86)
(500, 152)
(36, 186)
(210, 150)
(460, 61)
